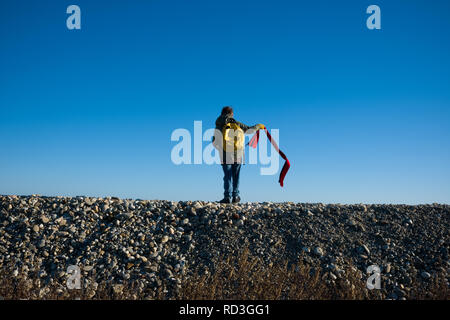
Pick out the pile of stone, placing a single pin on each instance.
(154, 244)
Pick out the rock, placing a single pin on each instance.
(44, 219)
(61, 221)
(126, 215)
(192, 211)
(366, 249)
(90, 294)
(400, 293)
(41, 243)
(425, 275)
(169, 273)
(164, 239)
(318, 251)
(197, 205)
(388, 268)
(118, 289)
(36, 228)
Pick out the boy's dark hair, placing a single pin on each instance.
(227, 110)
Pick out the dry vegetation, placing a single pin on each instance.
(243, 277)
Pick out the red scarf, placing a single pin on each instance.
(254, 141)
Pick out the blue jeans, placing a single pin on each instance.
(231, 178)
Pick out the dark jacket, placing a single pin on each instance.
(238, 155)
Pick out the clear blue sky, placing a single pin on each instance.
(364, 116)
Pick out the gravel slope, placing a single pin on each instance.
(158, 242)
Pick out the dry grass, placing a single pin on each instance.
(246, 278)
(435, 289)
(243, 277)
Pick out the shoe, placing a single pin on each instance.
(225, 200)
(236, 199)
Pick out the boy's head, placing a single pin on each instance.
(227, 111)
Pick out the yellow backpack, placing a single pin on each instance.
(233, 137)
